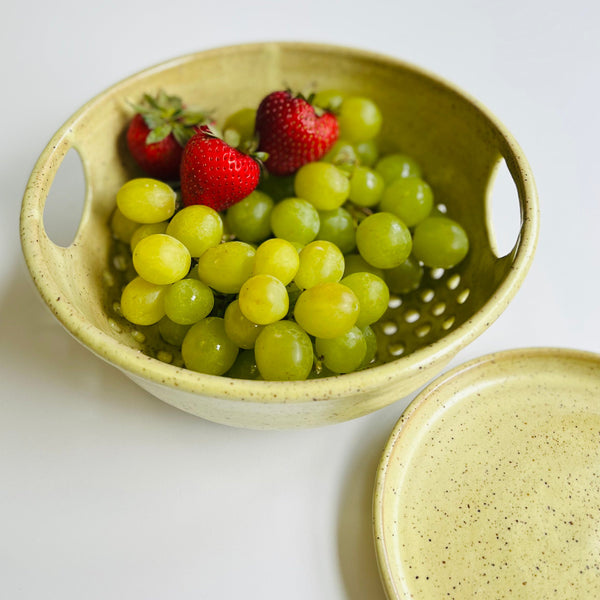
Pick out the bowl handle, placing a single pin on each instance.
(34, 238)
(511, 204)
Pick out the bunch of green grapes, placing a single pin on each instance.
(287, 283)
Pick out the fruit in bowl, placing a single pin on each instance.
(282, 295)
(432, 312)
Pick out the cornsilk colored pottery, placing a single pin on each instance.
(456, 140)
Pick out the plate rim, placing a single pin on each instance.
(427, 395)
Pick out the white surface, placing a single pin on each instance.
(106, 492)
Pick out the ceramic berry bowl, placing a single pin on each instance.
(459, 145)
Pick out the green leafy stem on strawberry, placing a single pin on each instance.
(158, 132)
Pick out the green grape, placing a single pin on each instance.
(295, 220)
(121, 227)
(320, 261)
(337, 226)
(440, 242)
(277, 257)
(171, 332)
(277, 187)
(342, 154)
(330, 99)
(207, 349)
(143, 303)
(409, 198)
(406, 277)
(383, 240)
(263, 299)
(198, 227)
(284, 352)
(146, 200)
(324, 185)
(366, 186)
(242, 123)
(244, 366)
(373, 296)
(161, 259)
(297, 245)
(187, 301)
(359, 119)
(355, 263)
(342, 354)
(327, 310)
(394, 166)
(367, 152)
(225, 267)
(238, 328)
(250, 219)
(371, 341)
(144, 231)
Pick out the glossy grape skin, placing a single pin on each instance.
(171, 332)
(359, 119)
(225, 267)
(238, 328)
(244, 366)
(284, 352)
(242, 122)
(295, 220)
(371, 343)
(322, 184)
(143, 231)
(121, 227)
(329, 99)
(366, 186)
(367, 152)
(342, 154)
(409, 198)
(187, 301)
(263, 299)
(327, 310)
(397, 165)
(320, 262)
(146, 200)
(198, 227)
(343, 354)
(337, 227)
(161, 259)
(207, 349)
(373, 296)
(383, 240)
(355, 263)
(143, 303)
(250, 219)
(406, 277)
(277, 257)
(440, 242)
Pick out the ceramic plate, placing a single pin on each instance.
(490, 483)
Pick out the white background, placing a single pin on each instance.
(105, 492)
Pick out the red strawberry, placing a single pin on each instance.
(291, 133)
(158, 132)
(216, 174)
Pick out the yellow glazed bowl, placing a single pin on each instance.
(458, 143)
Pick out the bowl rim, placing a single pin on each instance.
(136, 363)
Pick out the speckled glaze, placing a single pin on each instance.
(489, 485)
(458, 143)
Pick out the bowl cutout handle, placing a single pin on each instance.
(65, 201)
(503, 213)
(69, 191)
